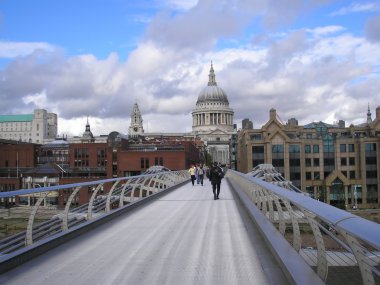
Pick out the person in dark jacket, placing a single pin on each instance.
(215, 175)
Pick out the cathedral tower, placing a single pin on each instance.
(136, 127)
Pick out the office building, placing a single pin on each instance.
(333, 163)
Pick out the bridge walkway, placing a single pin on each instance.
(184, 237)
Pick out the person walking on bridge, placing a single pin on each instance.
(216, 175)
(192, 173)
(200, 174)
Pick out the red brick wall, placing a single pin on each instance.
(26, 154)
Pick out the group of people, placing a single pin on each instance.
(214, 173)
(197, 173)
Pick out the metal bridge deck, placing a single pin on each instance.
(184, 237)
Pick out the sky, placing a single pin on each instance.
(313, 60)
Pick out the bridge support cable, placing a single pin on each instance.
(67, 208)
(122, 193)
(280, 215)
(362, 259)
(29, 229)
(322, 267)
(92, 199)
(109, 195)
(295, 226)
(332, 241)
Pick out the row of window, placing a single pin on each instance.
(15, 135)
(279, 162)
(16, 124)
(144, 162)
(327, 147)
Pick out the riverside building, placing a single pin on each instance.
(333, 163)
(38, 127)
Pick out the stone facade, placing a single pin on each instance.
(333, 163)
(38, 127)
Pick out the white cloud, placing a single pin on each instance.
(357, 7)
(324, 31)
(181, 4)
(14, 49)
(38, 99)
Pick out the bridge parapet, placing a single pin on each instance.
(331, 241)
(122, 192)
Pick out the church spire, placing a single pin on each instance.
(211, 77)
(88, 126)
(87, 135)
(369, 116)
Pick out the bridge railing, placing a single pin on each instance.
(23, 226)
(333, 242)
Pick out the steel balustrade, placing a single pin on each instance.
(356, 241)
(125, 189)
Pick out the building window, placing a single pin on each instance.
(142, 162)
(81, 157)
(351, 148)
(295, 176)
(308, 175)
(278, 162)
(372, 196)
(309, 136)
(294, 148)
(278, 148)
(317, 176)
(294, 162)
(159, 161)
(257, 155)
(352, 174)
(307, 148)
(256, 137)
(315, 148)
(371, 160)
(371, 173)
(328, 145)
(316, 162)
(370, 147)
(307, 162)
(351, 161)
(343, 161)
(343, 147)
(328, 161)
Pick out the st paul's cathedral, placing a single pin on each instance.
(212, 121)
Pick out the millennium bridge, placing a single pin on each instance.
(157, 228)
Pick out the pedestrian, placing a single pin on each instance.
(201, 174)
(197, 173)
(216, 175)
(192, 173)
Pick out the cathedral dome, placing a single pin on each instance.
(212, 92)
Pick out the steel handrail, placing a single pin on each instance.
(357, 240)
